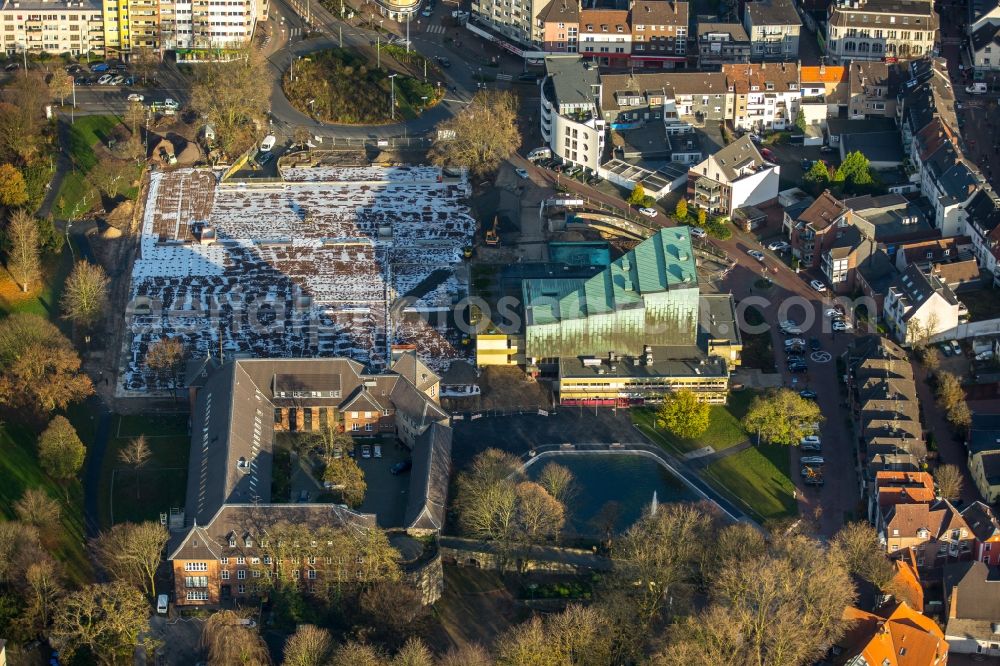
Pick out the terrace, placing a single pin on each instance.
(317, 264)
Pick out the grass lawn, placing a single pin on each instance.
(757, 479)
(19, 471)
(42, 300)
(724, 429)
(84, 134)
(161, 485)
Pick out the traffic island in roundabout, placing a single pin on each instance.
(341, 87)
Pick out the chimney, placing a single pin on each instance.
(822, 68)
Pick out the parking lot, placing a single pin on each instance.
(387, 493)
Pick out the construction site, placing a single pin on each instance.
(325, 260)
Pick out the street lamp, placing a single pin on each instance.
(392, 96)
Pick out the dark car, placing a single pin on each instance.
(12, 66)
(813, 481)
(528, 77)
(99, 67)
(444, 62)
(814, 344)
(401, 467)
(807, 394)
(795, 359)
(806, 164)
(796, 368)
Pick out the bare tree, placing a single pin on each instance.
(36, 508)
(949, 391)
(657, 556)
(109, 176)
(229, 642)
(395, 609)
(481, 136)
(134, 116)
(164, 358)
(352, 653)
(467, 654)
(106, 619)
(43, 579)
(230, 96)
(539, 516)
(136, 455)
(581, 636)
(413, 653)
(346, 477)
(948, 479)
(132, 552)
(60, 86)
(85, 296)
(857, 546)
(559, 482)
(308, 646)
(23, 255)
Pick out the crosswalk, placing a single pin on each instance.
(436, 29)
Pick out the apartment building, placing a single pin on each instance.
(733, 177)
(983, 226)
(766, 96)
(605, 36)
(570, 117)
(935, 532)
(919, 305)
(773, 27)
(560, 26)
(517, 20)
(38, 26)
(722, 44)
(815, 230)
(880, 29)
(208, 24)
(627, 99)
(131, 25)
(872, 89)
(659, 33)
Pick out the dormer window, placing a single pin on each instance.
(923, 533)
(248, 541)
(232, 542)
(769, 85)
(754, 88)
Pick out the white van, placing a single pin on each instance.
(542, 153)
(978, 88)
(162, 604)
(268, 143)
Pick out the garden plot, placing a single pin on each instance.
(304, 267)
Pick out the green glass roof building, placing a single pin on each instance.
(648, 297)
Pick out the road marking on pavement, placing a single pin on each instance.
(821, 356)
(436, 29)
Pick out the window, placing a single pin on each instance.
(312, 574)
(196, 581)
(196, 566)
(225, 574)
(197, 595)
(369, 427)
(241, 574)
(267, 559)
(241, 589)
(295, 574)
(232, 542)
(241, 560)
(254, 560)
(224, 561)
(256, 573)
(354, 415)
(355, 427)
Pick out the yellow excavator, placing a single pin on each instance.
(492, 235)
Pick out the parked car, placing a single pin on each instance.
(104, 80)
(428, 10)
(540, 153)
(827, 149)
(401, 467)
(814, 481)
(366, 451)
(842, 326)
(444, 62)
(99, 67)
(135, 97)
(812, 460)
(171, 103)
(791, 330)
(834, 313)
(756, 254)
(268, 143)
(810, 440)
(378, 451)
(792, 342)
(162, 604)
(797, 368)
(522, 173)
(648, 212)
(698, 232)
(817, 285)
(118, 80)
(795, 359)
(805, 163)
(767, 154)
(458, 14)
(946, 349)
(814, 344)
(528, 77)
(808, 394)
(778, 246)
(955, 347)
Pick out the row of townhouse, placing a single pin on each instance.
(126, 27)
(920, 531)
(983, 40)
